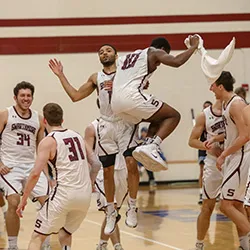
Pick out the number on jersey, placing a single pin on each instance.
(75, 148)
(130, 61)
(23, 139)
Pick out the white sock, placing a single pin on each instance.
(131, 202)
(102, 242)
(46, 242)
(199, 243)
(117, 244)
(244, 242)
(157, 140)
(12, 241)
(66, 248)
(110, 207)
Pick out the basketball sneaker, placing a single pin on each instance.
(131, 217)
(118, 246)
(199, 246)
(47, 247)
(151, 157)
(103, 246)
(111, 220)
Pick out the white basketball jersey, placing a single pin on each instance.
(70, 165)
(132, 71)
(19, 137)
(105, 95)
(120, 162)
(214, 123)
(231, 129)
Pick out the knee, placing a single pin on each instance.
(131, 165)
(177, 116)
(13, 202)
(224, 207)
(207, 210)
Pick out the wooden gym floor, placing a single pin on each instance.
(167, 220)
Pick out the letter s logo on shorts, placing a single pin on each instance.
(38, 223)
(155, 103)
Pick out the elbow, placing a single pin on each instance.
(190, 143)
(74, 98)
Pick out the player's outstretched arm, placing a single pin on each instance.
(75, 95)
(194, 139)
(46, 150)
(177, 61)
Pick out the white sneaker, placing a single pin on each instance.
(131, 217)
(150, 157)
(118, 247)
(199, 246)
(13, 248)
(47, 247)
(111, 220)
(103, 246)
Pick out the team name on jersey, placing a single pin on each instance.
(23, 126)
(218, 125)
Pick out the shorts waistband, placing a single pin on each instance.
(111, 119)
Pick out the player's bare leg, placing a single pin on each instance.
(12, 220)
(2, 203)
(133, 186)
(203, 221)
(109, 187)
(36, 241)
(235, 211)
(65, 239)
(163, 123)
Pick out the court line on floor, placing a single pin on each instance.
(138, 236)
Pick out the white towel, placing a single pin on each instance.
(212, 68)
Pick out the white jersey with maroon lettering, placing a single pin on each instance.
(19, 137)
(128, 99)
(212, 177)
(230, 126)
(214, 123)
(70, 164)
(104, 95)
(132, 72)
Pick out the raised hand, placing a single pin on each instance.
(194, 41)
(56, 67)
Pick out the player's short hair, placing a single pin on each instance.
(107, 44)
(226, 80)
(23, 85)
(241, 92)
(208, 102)
(53, 114)
(161, 42)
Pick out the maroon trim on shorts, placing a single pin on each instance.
(9, 184)
(44, 234)
(235, 171)
(132, 136)
(155, 112)
(205, 191)
(139, 88)
(66, 231)
(99, 139)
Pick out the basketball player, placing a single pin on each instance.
(130, 103)
(202, 155)
(240, 91)
(121, 187)
(114, 135)
(21, 130)
(69, 201)
(210, 120)
(235, 157)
